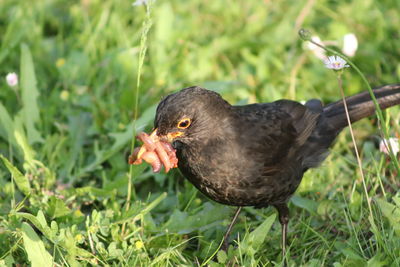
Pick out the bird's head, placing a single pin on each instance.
(192, 114)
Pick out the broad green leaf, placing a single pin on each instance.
(29, 94)
(253, 241)
(37, 254)
(397, 201)
(15, 31)
(348, 251)
(41, 218)
(25, 147)
(48, 175)
(351, 254)
(324, 207)
(114, 251)
(29, 155)
(314, 263)
(355, 205)
(7, 261)
(57, 208)
(378, 260)
(211, 215)
(6, 126)
(96, 192)
(152, 205)
(21, 181)
(308, 204)
(221, 256)
(78, 126)
(392, 213)
(39, 222)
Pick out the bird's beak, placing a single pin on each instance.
(169, 137)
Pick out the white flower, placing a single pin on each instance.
(140, 2)
(335, 63)
(12, 79)
(384, 147)
(317, 51)
(350, 44)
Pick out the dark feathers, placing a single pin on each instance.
(256, 154)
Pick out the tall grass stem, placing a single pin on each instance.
(340, 83)
(142, 54)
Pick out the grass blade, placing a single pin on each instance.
(21, 181)
(30, 94)
(37, 254)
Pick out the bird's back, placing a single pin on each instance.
(274, 134)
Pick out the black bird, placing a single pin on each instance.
(255, 155)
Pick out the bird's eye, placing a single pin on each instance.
(184, 123)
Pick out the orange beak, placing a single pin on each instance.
(169, 137)
(172, 136)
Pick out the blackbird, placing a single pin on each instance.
(255, 155)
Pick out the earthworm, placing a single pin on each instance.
(152, 158)
(155, 152)
(168, 148)
(171, 154)
(147, 141)
(163, 156)
(134, 159)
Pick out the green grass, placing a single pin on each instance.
(66, 131)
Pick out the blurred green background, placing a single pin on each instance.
(66, 131)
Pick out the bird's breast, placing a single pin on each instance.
(229, 176)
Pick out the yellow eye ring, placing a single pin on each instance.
(184, 123)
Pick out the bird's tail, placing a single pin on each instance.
(361, 105)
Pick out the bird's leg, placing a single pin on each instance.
(283, 212)
(225, 242)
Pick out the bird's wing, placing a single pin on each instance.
(274, 132)
(302, 118)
